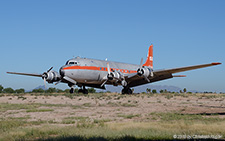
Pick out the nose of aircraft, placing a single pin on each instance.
(62, 72)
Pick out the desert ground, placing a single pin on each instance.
(112, 116)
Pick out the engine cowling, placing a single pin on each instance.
(51, 76)
(145, 71)
(117, 78)
(116, 75)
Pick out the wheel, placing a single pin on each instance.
(80, 91)
(71, 90)
(123, 91)
(85, 91)
(127, 91)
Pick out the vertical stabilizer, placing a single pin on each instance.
(149, 61)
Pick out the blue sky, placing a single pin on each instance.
(35, 35)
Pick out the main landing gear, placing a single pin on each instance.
(84, 91)
(127, 90)
(72, 90)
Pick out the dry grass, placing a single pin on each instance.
(110, 116)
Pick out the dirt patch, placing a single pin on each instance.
(114, 107)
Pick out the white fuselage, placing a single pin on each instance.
(92, 71)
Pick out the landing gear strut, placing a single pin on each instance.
(127, 90)
(84, 90)
(72, 90)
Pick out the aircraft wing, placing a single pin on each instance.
(28, 74)
(182, 69)
(135, 80)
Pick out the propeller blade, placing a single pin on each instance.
(45, 83)
(57, 82)
(108, 68)
(104, 83)
(146, 78)
(50, 69)
(141, 63)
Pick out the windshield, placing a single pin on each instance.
(71, 62)
(67, 62)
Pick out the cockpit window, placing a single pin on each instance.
(72, 62)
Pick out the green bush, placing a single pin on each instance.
(8, 90)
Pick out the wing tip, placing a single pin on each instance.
(179, 76)
(216, 63)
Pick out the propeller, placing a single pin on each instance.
(146, 78)
(140, 71)
(45, 76)
(58, 82)
(109, 75)
(45, 83)
(50, 69)
(113, 75)
(141, 63)
(108, 68)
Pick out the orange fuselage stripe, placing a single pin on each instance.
(97, 68)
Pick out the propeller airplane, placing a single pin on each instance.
(97, 73)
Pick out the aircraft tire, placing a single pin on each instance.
(80, 91)
(129, 91)
(123, 91)
(126, 91)
(71, 90)
(85, 91)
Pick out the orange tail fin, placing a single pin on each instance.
(149, 61)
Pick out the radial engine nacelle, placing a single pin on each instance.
(115, 75)
(51, 76)
(146, 72)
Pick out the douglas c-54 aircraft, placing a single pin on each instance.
(97, 73)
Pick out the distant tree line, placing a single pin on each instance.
(154, 91)
(49, 90)
(10, 90)
(90, 90)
